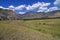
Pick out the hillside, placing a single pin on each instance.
(7, 14)
(35, 15)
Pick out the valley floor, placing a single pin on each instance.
(48, 29)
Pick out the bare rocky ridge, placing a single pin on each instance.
(38, 15)
(8, 14)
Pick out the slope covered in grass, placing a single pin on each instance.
(50, 26)
(29, 30)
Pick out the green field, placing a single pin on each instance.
(47, 29)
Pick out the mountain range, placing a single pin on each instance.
(39, 15)
(9, 14)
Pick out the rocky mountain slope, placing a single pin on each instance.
(34, 15)
(7, 14)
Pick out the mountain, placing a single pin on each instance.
(55, 13)
(8, 14)
(38, 15)
(31, 15)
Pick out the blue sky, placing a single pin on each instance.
(22, 6)
(7, 3)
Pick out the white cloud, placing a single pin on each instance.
(52, 9)
(11, 7)
(31, 7)
(6, 8)
(20, 7)
(1, 6)
(37, 5)
(45, 9)
(22, 12)
(42, 9)
(41, 6)
(45, 4)
(28, 7)
(57, 2)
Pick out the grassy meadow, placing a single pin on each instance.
(47, 29)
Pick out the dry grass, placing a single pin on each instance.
(20, 30)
